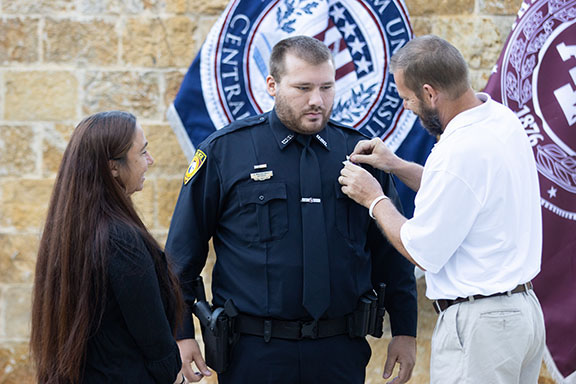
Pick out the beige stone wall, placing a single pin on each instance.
(63, 59)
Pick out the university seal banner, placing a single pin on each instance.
(536, 77)
(227, 80)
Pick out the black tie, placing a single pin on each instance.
(316, 290)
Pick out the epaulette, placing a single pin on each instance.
(348, 128)
(237, 125)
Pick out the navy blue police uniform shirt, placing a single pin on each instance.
(257, 232)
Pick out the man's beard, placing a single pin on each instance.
(430, 120)
(292, 119)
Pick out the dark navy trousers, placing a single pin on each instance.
(333, 360)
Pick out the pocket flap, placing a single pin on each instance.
(260, 193)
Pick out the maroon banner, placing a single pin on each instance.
(536, 77)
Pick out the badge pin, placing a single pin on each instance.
(261, 166)
(287, 139)
(261, 176)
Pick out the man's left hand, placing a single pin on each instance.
(402, 351)
(359, 184)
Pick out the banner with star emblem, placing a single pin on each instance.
(536, 77)
(227, 80)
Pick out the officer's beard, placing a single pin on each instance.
(296, 121)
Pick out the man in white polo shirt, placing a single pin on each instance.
(477, 228)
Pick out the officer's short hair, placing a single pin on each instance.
(309, 49)
(434, 61)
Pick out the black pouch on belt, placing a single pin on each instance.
(217, 329)
(369, 314)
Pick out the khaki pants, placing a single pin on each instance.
(497, 340)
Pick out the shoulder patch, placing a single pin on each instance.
(195, 165)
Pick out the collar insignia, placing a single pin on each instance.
(287, 139)
(321, 140)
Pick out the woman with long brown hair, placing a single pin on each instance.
(105, 303)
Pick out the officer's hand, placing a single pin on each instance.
(375, 153)
(190, 352)
(401, 350)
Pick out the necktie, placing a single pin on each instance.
(316, 289)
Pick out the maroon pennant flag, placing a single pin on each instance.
(536, 77)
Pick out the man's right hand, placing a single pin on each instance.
(375, 153)
(190, 353)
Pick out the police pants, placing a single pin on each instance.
(334, 360)
(497, 340)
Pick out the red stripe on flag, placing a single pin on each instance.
(344, 70)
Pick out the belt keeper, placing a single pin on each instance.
(267, 330)
(437, 306)
(508, 293)
(471, 299)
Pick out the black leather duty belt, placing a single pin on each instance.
(290, 330)
(443, 304)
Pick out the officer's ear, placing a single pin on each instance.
(271, 86)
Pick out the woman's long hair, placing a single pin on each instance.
(70, 282)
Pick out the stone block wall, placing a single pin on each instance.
(61, 60)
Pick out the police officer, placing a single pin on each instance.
(283, 267)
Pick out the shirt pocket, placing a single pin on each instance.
(265, 204)
(351, 218)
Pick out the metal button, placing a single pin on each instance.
(261, 197)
